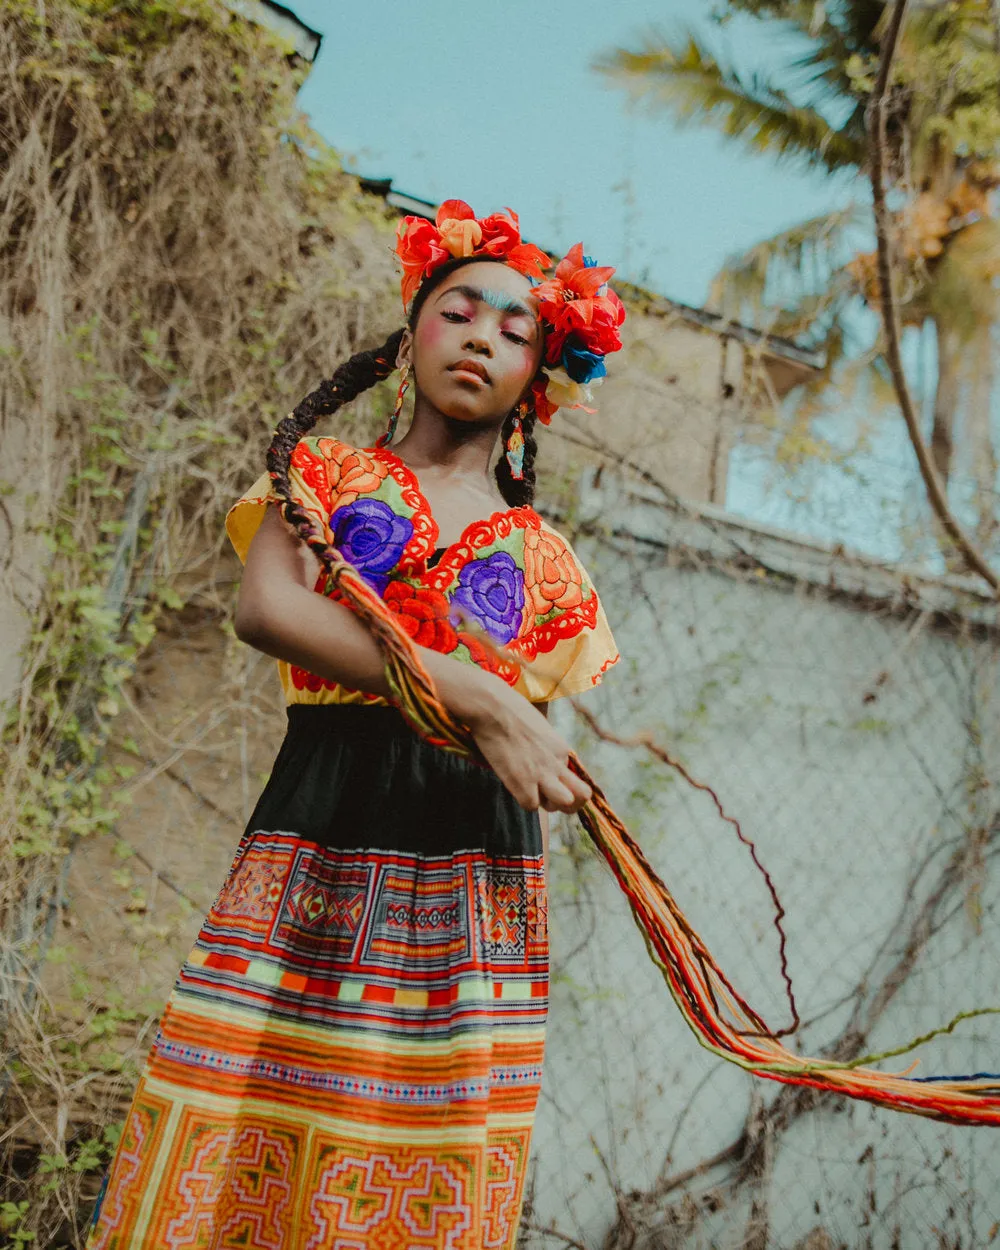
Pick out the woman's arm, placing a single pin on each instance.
(279, 613)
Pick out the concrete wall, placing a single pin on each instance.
(669, 405)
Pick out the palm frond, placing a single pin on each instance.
(695, 87)
(860, 22)
(794, 270)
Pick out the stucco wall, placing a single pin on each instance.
(670, 405)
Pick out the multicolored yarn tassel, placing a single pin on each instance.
(717, 1015)
(515, 451)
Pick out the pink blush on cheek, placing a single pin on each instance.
(431, 332)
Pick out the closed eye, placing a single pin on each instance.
(451, 314)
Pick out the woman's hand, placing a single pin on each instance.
(519, 744)
(530, 757)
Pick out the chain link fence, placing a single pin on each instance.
(848, 716)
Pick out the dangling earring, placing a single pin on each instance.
(390, 433)
(515, 444)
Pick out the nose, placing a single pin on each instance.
(476, 341)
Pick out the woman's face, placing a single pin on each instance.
(477, 343)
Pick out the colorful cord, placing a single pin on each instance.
(718, 1016)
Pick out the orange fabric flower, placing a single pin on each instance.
(349, 473)
(552, 578)
(460, 233)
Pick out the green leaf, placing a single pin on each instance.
(687, 80)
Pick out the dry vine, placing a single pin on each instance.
(181, 258)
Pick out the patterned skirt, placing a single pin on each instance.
(351, 1055)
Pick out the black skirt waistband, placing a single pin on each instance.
(351, 775)
(355, 719)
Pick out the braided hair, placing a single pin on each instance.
(353, 377)
(359, 373)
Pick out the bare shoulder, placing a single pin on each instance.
(277, 553)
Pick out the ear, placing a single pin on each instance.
(405, 354)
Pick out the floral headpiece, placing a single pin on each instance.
(579, 312)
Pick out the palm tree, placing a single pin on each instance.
(944, 164)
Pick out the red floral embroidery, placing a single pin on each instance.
(485, 658)
(423, 613)
(553, 581)
(552, 578)
(304, 680)
(595, 678)
(421, 544)
(565, 625)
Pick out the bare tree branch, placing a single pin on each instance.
(877, 110)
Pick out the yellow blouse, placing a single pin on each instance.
(511, 575)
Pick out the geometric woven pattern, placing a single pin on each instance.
(351, 1058)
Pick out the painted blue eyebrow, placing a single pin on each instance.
(502, 302)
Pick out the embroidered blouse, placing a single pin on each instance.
(510, 574)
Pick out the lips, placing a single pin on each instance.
(471, 366)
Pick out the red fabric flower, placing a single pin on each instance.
(543, 408)
(501, 232)
(453, 210)
(423, 614)
(422, 246)
(577, 301)
(502, 237)
(419, 247)
(528, 259)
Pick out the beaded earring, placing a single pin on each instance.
(390, 433)
(514, 450)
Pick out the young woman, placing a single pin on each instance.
(352, 1054)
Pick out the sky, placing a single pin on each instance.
(498, 105)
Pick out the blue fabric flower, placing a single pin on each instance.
(492, 590)
(582, 365)
(372, 537)
(589, 262)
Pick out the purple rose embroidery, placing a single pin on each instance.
(492, 590)
(372, 537)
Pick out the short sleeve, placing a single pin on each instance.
(570, 646)
(309, 478)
